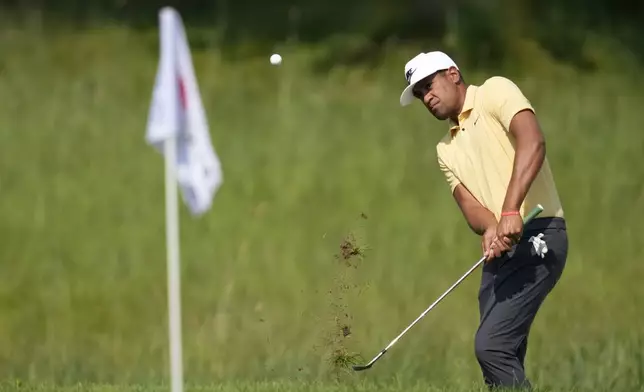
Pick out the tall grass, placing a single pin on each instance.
(82, 261)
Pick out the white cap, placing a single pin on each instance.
(420, 67)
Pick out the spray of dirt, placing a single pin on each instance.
(338, 343)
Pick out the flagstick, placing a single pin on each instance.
(174, 272)
(176, 108)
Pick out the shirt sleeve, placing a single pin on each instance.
(452, 180)
(504, 99)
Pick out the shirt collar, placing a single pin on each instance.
(468, 105)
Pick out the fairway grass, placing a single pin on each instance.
(309, 159)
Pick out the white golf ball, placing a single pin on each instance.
(276, 59)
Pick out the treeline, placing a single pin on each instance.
(479, 27)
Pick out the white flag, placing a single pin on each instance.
(177, 111)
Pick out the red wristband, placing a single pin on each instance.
(509, 213)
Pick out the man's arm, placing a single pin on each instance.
(478, 217)
(508, 104)
(481, 220)
(515, 113)
(529, 156)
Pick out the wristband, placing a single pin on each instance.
(509, 213)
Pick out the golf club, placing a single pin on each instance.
(536, 211)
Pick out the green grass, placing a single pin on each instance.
(82, 262)
(272, 386)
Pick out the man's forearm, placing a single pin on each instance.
(527, 163)
(478, 217)
(529, 156)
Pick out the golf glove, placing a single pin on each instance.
(540, 246)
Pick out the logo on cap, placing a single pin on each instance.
(409, 73)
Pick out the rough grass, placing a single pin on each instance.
(272, 386)
(82, 262)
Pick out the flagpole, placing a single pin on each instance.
(177, 122)
(174, 271)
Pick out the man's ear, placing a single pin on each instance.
(454, 75)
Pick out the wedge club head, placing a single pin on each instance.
(359, 368)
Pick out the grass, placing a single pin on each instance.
(82, 264)
(277, 386)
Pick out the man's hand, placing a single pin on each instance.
(509, 231)
(490, 251)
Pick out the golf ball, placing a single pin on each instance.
(276, 59)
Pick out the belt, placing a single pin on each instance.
(545, 223)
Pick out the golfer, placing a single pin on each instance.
(494, 161)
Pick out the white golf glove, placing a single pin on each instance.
(540, 246)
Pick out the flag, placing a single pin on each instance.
(176, 111)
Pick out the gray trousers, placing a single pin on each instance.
(513, 287)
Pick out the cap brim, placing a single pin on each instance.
(407, 96)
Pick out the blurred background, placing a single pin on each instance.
(315, 152)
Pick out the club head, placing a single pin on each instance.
(359, 368)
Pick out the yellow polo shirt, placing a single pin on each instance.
(479, 153)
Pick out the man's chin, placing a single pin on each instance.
(438, 115)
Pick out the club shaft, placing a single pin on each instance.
(475, 266)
